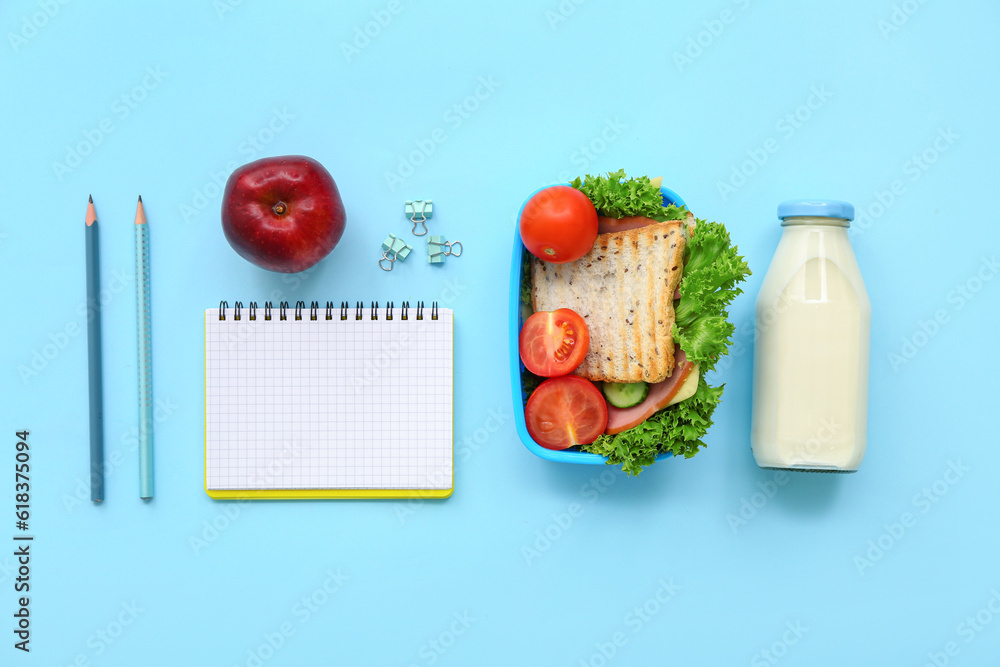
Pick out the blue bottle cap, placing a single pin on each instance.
(816, 208)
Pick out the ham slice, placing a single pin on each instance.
(606, 225)
(661, 393)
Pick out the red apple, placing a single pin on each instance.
(282, 213)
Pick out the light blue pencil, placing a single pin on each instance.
(145, 354)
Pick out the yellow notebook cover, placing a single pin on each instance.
(348, 402)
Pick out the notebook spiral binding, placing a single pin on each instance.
(388, 312)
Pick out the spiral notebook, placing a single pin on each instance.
(335, 402)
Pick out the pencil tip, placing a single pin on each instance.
(91, 213)
(140, 199)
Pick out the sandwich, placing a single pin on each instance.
(623, 288)
(654, 292)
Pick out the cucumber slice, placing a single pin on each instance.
(625, 394)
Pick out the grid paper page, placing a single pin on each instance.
(329, 404)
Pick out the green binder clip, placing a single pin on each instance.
(438, 249)
(395, 246)
(419, 211)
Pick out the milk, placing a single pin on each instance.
(813, 320)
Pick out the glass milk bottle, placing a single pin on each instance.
(813, 321)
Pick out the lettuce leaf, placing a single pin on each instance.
(526, 279)
(712, 269)
(615, 196)
(529, 383)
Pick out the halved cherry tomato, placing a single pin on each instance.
(565, 411)
(553, 343)
(558, 224)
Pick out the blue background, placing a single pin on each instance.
(185, 579)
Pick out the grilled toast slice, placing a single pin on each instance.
(624, 289)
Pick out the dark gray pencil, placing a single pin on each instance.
(94, 358)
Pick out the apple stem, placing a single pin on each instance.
(280, 208)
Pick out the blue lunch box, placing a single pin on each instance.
(515, 320)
